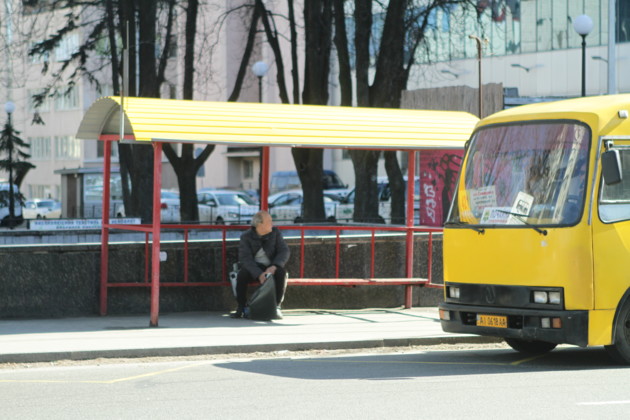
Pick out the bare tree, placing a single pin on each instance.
(403, 31)
(135, 22)
(187, 164)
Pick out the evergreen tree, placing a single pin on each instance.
(15, 163)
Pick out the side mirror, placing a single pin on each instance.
(611, 167)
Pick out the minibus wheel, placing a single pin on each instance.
(619, 351)
(530, 347)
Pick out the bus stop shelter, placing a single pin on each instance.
(153, 122)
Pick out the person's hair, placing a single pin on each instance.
(258, 218)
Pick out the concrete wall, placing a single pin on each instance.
(63, 280)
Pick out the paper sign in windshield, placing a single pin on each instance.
(495, 216)
(482, 198)
(522, 205)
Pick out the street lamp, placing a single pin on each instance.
(9, 107)
(583, 25)
(260, 69)
(479, 46)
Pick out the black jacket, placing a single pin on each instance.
(272, 243)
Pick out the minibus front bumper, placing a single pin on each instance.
(553, 326)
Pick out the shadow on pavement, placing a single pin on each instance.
(426, 364)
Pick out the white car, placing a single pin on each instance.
(286, 206)
(170, 208)
(227, 206)
(41, 209)
(345, 211)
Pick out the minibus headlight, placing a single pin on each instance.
(554, 298)
(540, 296)
(453, 292)
(551, 297)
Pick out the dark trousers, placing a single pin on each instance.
(244, 278)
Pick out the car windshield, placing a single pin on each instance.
(524, 174)
(46, 204)
(235, 200)
(169, 194)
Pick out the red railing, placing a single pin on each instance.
(298, 279)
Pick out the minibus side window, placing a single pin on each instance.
(614, 203)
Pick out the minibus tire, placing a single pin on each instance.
(530, 347)
(619, 351)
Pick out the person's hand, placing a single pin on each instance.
(271, 269)
(262, 278)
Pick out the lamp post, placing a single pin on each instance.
(583, 25)
(9, 107)
(479, 46)
(260, 69)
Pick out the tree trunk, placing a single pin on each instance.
(309, 162)
(366, 186)
(186, 166)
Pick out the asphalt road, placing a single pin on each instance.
(480, 382)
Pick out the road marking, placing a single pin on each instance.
(111, 381)
(604, 402)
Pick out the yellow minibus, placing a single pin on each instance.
(537, 240)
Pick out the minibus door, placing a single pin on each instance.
(611, 227)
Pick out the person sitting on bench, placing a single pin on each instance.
(261, 251)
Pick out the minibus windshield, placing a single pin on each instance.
(525, 174)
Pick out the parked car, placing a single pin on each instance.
(345, 211)
(4, 204)
(287, 206)
(170, 208)
(287, 180)
(227, 206)
(38, 208)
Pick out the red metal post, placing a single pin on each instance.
(146, 257)
(411, 181)
(224, 256)
(157, 224)
(302, 253)
(337, 254)
(372, 252)
(264, 187)
(107, 166)
(430, 257)
(185, 255)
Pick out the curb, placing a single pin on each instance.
(253, 348)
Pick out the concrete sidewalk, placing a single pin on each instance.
(185, 334)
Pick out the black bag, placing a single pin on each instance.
(262, 304)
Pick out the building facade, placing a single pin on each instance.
(528, 45)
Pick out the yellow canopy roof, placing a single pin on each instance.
(255, 124)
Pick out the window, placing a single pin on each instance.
(45, 105)
(40, 148)
(69, 100)
(67, 147)
(100, 149)
(68, 46)
(614, 203)
(248, 169)
(39, 58)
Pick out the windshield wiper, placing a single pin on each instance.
(464, 224)
(520, 217)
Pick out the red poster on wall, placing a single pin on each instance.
(438, 174)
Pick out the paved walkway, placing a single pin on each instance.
(185, 334)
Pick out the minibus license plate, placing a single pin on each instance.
(492, 321)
